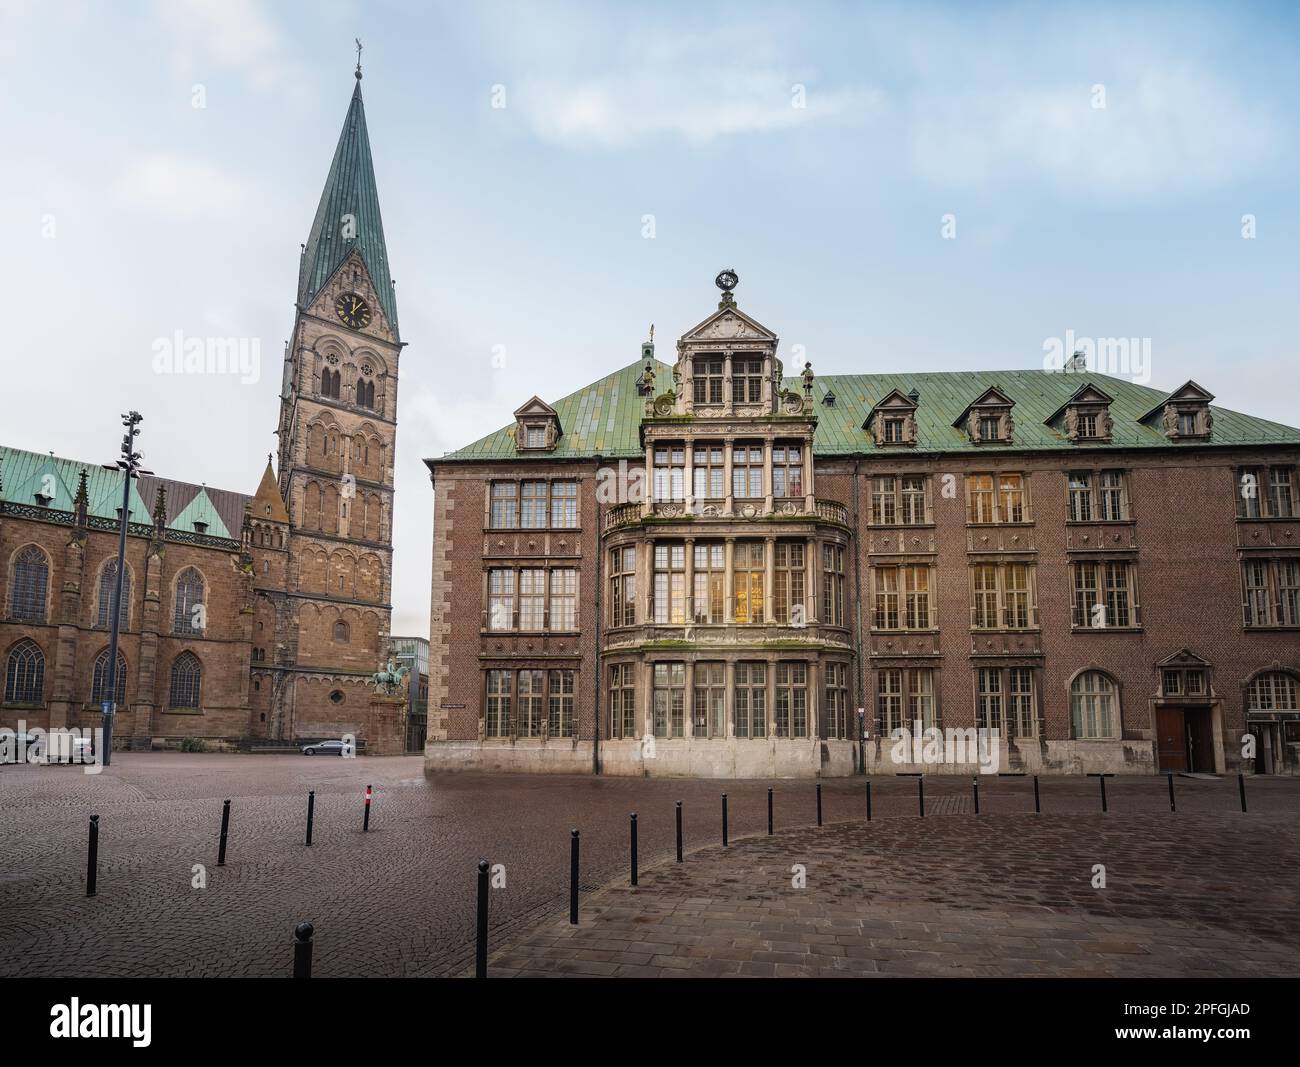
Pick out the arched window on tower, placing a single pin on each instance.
(186, 681)
(341, 631)
(366, 393)
(99, 682)
(25, 673)
(31, 579)
(107, 586)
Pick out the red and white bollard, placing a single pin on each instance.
(365, 825)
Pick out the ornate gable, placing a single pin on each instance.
(1085, 417)
(1185, 413)
(537, 427)
(987, 420)
(892, 422)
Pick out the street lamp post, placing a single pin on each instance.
(129, 464)
(862, 739)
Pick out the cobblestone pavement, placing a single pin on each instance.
(1009, 895)
(399, 900)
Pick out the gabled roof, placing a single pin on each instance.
(1088, 393)
(1189, 390)
(21, 471)
(991, 397)
(267, 501)
(350, 189)
(535, 406)
(200, 511)
(896, 400)
(604, 418)
(714, 327)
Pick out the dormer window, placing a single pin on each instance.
(1184, 414)
(1085, 417)
(892, 422)
(746, 380)
(537, 427)
(987, 421)
(42, 499)
(200, 527)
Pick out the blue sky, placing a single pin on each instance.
(517, 233)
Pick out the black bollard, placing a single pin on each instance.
(1102, 779)
(92, 856)
(633, 831)
(302, 937)
(365, 822)
(1037, 808)
(920, 794)
(225, 829)
(724, 820)
(1172, 806)
(769, 811)
(1241, 786)
(573, 877)
(819, 803)
(679, 831)
(868, 801)
(975, 785)
(311, 811)
(480, 944)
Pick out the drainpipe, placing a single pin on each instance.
(857, 621)
(598, 673)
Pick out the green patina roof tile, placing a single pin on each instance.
(605, 417)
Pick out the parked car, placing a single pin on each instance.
(326, 748)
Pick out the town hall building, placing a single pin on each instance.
(709, 567)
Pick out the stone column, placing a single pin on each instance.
(814, 701)
(646, 686)
(769, 578)
(810, 581)
(689, 700)
(690, 581)
(767, 477)
(726, 382)
(688, 479)
(726, 476)
(729, 582)
(809, 490)
(647, 508)
(729, 700)
(645, 580)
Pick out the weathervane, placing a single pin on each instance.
(358, 40)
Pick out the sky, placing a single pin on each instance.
(898, 186)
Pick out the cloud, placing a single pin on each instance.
(237, 36)
(177, 187)
(1168, 130)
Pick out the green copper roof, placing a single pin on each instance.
(25, 474)
(349, 190)
(200, 510)
(604, 418)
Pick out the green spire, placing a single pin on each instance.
(348, 216)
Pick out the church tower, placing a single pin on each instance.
(327, 599)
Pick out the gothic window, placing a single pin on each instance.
(186, 680)
(366, 393)
(330, 384)
(107, 587)
(31, 579)
(25, 674)
(1094, 706)
(188, 616)
(99, 680)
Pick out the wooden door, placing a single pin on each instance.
(1171, 739)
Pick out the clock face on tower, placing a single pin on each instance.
(352, 311)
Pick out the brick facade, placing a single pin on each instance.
(1079, 635)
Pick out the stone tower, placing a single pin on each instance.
(327, 597)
